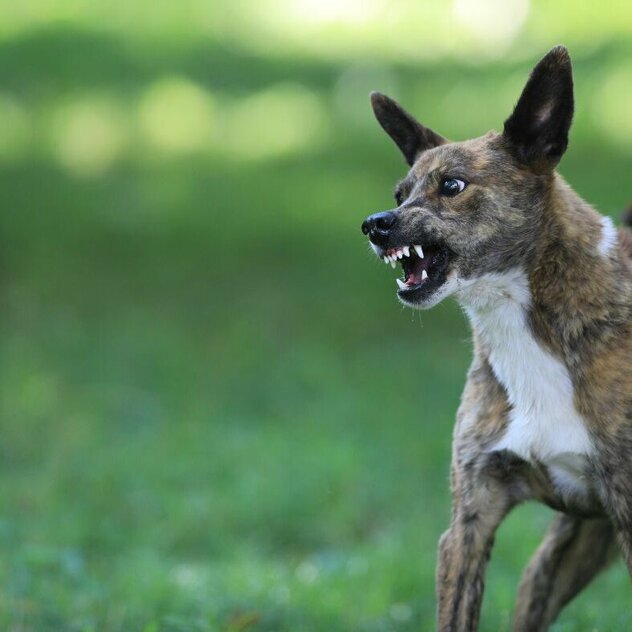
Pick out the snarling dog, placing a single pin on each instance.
(546, 282)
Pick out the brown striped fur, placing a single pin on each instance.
(518, 213)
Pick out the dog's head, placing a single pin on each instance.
(470, 208)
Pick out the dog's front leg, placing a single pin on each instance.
(485, 486)
(481, 501)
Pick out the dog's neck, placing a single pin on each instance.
(578, 279)
(537, 324)
(573, 287)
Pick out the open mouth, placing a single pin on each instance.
(423, 268)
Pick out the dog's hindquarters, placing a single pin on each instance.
(572, 553)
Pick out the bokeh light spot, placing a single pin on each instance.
(494, 23)
(88, 134)
(336, 11)
(177, 116)
(612, 106)
(280, 120)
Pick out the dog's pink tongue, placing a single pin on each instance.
(413, 279)
(415, 270)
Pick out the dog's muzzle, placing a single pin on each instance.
(378, 226)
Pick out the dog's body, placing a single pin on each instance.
(546, 282)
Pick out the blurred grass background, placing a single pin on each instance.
(215, 416)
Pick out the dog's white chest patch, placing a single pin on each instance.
(543, 423)
(567, 473)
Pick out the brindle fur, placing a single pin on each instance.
(518, 212)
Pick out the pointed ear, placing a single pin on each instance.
(410, 136)
(537, 130)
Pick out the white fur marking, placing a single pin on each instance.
(567, 474)
(543, 423)
(609, 236)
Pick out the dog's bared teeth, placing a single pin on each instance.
(393, 264)
(386, 259)
(400, 254)
(406, 251)
(424, 275)
(419, 251)
(401, 284)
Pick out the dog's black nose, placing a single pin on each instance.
(377, 226)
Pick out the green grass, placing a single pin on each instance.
(214, 414)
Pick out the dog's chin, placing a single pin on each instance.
(432, 294)
(429, 296)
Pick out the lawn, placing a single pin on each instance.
(215, 416)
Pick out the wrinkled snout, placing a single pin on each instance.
(378, 227)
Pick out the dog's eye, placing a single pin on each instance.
(451, 186)
(399, 198)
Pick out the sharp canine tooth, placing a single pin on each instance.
(385, 259)
(406, 251)
(400, 254)
(424, 275)
(393, 264)
(401, 284)
(419, 251)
